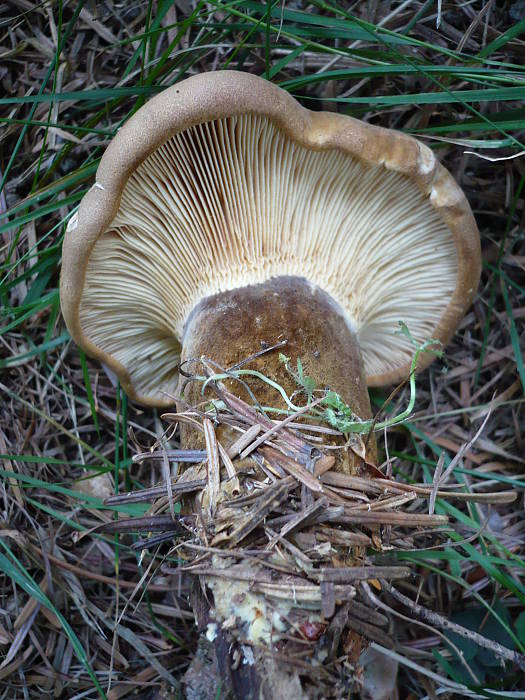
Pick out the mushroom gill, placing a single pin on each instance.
(234, 202)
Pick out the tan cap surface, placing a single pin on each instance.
(224, 180)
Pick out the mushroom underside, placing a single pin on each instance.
(235, 202)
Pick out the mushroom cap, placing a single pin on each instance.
(225, 180)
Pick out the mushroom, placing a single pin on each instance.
(226, 217)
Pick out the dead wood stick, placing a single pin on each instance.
(214, 472)
(244, 440)
(292, 467)
(153, 523)
(301, 520)
(369, 631)
(269, 501)
(385, 518)
(174, 455)
(177, 487)
(378, 485)
(365, 612)
(237, 405)
(343, 574)
(278, 426)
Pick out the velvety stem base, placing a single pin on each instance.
(232, 326)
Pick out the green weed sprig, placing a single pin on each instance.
(340, 416)
(336, 412)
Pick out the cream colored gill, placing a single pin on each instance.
(234, 202)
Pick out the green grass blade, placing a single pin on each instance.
(12, 568)
(514, 336)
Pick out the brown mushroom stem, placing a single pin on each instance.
(232, 326)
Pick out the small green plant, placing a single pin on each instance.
(302, 380)
(335, 411)
(340, 416)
